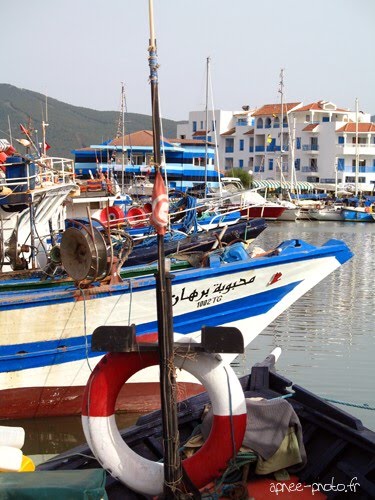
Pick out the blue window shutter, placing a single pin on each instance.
(341, 139)
(298, 143)
(341, 164)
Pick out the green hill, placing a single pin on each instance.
(70, 127)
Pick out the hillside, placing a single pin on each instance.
(70, 127)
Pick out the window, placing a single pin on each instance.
(341, 139)
(298, 142)
(270, 164)
(276, 122)
(361, 163)
(201, 125)
(267, 123)
(240, 163)
(297, 164)
(307, 118)
(242, 142)
(340, 164)
(213, 126)
(351, 179)
(194, 126)
(325, 119)
(259, 123)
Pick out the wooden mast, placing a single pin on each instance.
(168, 385)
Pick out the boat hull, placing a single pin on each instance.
(266, 212)
(51, 360)
(355, 215)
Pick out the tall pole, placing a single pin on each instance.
(123, 137)
(281, 90)
(356, 147)
(206, 145)
(168, 386)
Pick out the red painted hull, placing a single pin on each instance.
(266, 212)
(63, 401)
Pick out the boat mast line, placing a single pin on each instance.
(173, 483)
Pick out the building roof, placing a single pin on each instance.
(229, 132)
(249, 132)
(311, 127)
(140, 138)
(320, 106)
(362, 127)
(275, 109)
(200, 133)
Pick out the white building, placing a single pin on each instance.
(324, 143)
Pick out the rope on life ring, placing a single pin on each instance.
(146, 476)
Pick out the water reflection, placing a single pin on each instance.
(327, 336)
(57, 434)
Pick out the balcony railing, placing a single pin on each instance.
(309, 169)
(229, 149)
(310, 147)
(259, 149)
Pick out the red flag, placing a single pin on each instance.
(46, 147)
(160, 206)
(24, 130)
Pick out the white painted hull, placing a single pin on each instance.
(50, 335)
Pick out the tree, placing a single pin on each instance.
(244, 176)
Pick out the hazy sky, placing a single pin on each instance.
(79, 51)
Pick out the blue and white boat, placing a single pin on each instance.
(187, 162)
(46, 333)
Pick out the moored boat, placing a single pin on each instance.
(327, 213)
(339, 450)
(44, 369)
(357, 214)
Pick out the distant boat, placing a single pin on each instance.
(328, 213)
(358, 214)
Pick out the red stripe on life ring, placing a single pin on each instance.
(98, 409)
(107, 378)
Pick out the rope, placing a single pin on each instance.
(363, 406)
(85, 328)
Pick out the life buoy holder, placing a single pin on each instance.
(145, 476)
(112, 215)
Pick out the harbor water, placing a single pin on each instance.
(327, 337)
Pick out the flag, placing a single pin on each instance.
(24, 142)
(46, 147)
(269, 138)
(160, 206)
(24, 130)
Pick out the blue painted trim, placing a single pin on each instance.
(52, 352)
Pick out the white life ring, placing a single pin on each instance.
(145, 476)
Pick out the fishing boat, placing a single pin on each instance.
(33, 191)
(339, 452)
(44, 369)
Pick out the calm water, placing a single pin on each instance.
(327, 337)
